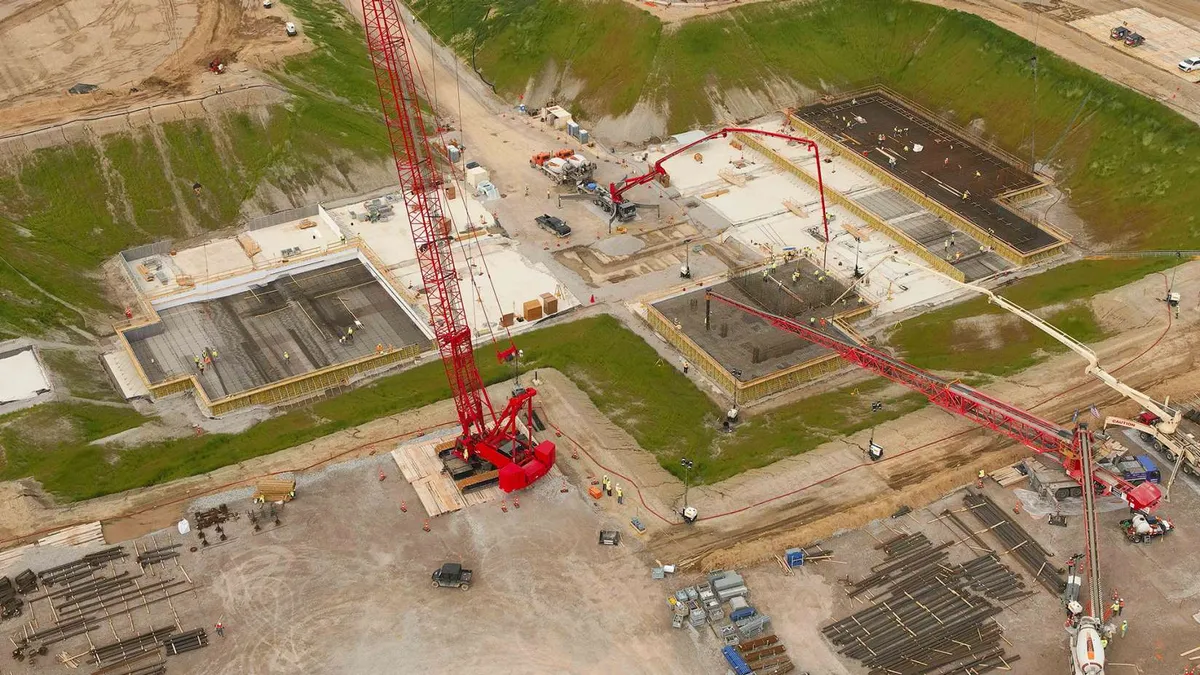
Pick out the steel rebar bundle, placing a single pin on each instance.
(928, 617)
(186, 642)
(1031, 555)
(122, 650)
(78, 569)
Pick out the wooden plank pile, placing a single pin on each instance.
(275, 490)
(1008, 475)
(78, 535)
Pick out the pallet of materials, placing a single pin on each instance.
(1009, 475)
(248, 245)
(275, 490)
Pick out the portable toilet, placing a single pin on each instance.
(583, 136)
(573, 129)
(521, 108)
(454, 153)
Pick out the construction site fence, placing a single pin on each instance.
(146, 250)
(281, 217)
(292, 388)
(870, 218)
(998, 246)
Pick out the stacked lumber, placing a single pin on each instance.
(715, 193)
(795, 208)
(1009, 475)
(248, 245)
(275, 490)
(307, 224)
(78, 535)
(731, 177)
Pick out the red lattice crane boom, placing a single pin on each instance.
(484, 436)
(1024, 427)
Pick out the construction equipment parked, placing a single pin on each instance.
(1143, 527)
(555, 226)
(563, 165)
(622, 211)
(1135, 469)
(452, 575)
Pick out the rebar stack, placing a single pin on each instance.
(157, 555)
(1031, 555)
(186, 642)
(121, 651)
(926, 620)
(78, 569)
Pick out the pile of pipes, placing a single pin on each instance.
(157, 555)
(32, 644)
(113, 596)
(988, 576)
(124, 649)
(78, 569)
(146, 663)
(925, 619)
(1034, 558)
(186, 642)
(906, 553)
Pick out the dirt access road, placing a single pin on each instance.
(139, 52)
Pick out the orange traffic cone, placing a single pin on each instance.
(516, 502)
(403, 506)
(564, 486)
(426, 526)
(1017, 507)
(381, 475)
(504, 505)
(593, 300)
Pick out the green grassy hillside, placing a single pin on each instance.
(1129, 162)
(70, 208)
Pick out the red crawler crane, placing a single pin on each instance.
(496, 440)
(1026, 428)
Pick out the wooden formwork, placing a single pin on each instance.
(872, 219)
(761, 387)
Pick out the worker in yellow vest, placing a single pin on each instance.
(620, 495)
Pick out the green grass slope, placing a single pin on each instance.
(653, 401)
(75, 206)
(1129, 163)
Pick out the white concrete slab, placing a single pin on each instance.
(391, 238)
(278, 238)
(211, 259)
(125, 374)
(515, 278)
(21, 377)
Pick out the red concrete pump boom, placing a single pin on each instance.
(1031, 431)
(615, 191)
(496, 440)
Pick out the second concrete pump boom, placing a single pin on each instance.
(1161, 432)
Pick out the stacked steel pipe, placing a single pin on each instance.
(115, 592)
(1031, 555)
(926, 620)
(146, 663)
(186, 642)
(78, 569)
(124, 649)
(157, 555)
